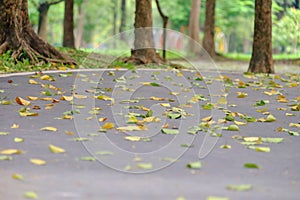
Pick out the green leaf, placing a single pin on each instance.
(4, 133)
(172, 115)
(262, 102)
(208, 106)
(104, 153)
(170, 131)
(272, 140)
(260, 149)
(249, 118)
(87, 158)
(144, 165)
(293, 133)
(194, 130)
(194, 165)
(154, 84)
(81, 139)
(243, 187)
(48, 93)
(5, 157)
(270, 118)
(31, 195)
(233, 127)
(251, 165)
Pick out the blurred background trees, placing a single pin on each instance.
(95, 21)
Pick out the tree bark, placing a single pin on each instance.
(68, 38)
(194, 26)
(115, 15)
(16, 34)
(261, 60)
(209, 32)
(80, 25)
(43, 20)
(123, 19)
(144, 51)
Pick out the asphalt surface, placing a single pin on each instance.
(98, 161)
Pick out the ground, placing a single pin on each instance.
(149, 134)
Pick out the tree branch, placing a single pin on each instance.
(55, 2)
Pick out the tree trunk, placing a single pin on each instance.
(194, 27)
(16, 34)
(68, 38)
(115, 15)
(80, 25)
(261, 60)
(43, 20)
(296, 4)
(123, 18)
(209, 32)
(144, 51)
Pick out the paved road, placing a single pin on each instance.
(97, 114)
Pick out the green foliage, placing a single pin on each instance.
(286, 32)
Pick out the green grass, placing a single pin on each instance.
(247, 57)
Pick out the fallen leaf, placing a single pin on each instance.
(294, 125)
(206, 119)
(240, 123)
(133, 138)
(46, 77)
(87, 158)
(251, 165)
(243, 187)
(55, 149)
(46, 99)
(4, 157)
(282, 99)
(194, 165)
(145, 166)
(241, 95)
(170, 131)
(31, 81)
(66, 98)
(81, 139)
(78, 96)
(4, 133)
(270, 118)
(132, 128)
(225, 146)
(31, 195)
(22, 101)
(10, 151)
(48, 128)
(102, 119)
(32, 98)
(260, 149)
(37, 161)
(165, 105)
(108, 125)
(17, 176)
(104, 153)
(17, 139)
(232, 127)
(272, 140)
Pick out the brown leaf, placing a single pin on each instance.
(22, 101)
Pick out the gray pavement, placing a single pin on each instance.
(100, 162)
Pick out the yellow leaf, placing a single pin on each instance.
(31, 81)
(165, 105)
(252, 139)
(68, 117)
(46, 99)
(222, 101)
(78, 96)
(207, 119)
(175, 93)
(281, 99)
(294, 125)
(49, 106)
(298, 98)
(55, 149)
(17, 139)
(102, 119)
(241, 94)
(240, 123)
(22, 101)
(271, 92)
(108, 125)
(157, 99)
(132, 128)
(46, 77)
(27, 113)
(133, 138)
(17, 176)
(106, 98)
(10, 151)
(66, 98)
(69, 132)
(37, 161)
(32, 98)
(48, 128)
(15, 126)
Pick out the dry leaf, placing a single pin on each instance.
(22, 101)
(31, 81)
(15, 126)
(108, 125)
(56, 149)
(10, 151)
(66, 98)
(37, 161)
(48, 128)
(32, 98)
(133, 138)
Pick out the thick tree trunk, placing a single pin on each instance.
(261, 60)
(144, 51)
(209, 32)
(123, 19)
(43, 20)
(17, 35)
(194, 26)
(80, 24)
(68, 40)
